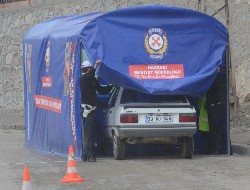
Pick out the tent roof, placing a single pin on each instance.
(64, 26)
(195, 45)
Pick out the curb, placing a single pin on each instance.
(241, 149)
(9, 122)
(11, 126)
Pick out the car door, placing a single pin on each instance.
(109, 114)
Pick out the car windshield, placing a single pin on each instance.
(131, 96)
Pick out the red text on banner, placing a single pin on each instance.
(47, 82)
(48, 103)
(157, 71)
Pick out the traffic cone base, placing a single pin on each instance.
(26, 185)
(71, 175)
(72, 180)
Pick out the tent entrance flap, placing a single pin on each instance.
(216, 138)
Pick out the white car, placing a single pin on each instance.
(133, 117)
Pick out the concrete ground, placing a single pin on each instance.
(240, 138)
(135, 172)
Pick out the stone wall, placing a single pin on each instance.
(16, 21)
(240, 33)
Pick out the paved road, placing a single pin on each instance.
(137, 173)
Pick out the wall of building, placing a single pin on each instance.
(16, 20)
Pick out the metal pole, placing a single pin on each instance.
(231, 66)
(199, 5)
(205, 7)
(231, 77)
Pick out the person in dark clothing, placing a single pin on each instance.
(214, 99)
(89, 87)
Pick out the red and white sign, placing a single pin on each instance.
(47, 82)
(72, 92)
(48, 103)
(157, 71)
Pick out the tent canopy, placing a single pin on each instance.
(124, 39)
(153, 49)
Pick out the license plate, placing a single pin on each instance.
(159, 119)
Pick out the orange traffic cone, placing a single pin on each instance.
(71, 175)
(26, 179)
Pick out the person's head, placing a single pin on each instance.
(85, 67)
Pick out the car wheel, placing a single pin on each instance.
(118, 148)
(187, 147)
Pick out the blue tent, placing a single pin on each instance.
(153, 49)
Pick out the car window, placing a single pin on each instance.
(113, 97)
(131, 96)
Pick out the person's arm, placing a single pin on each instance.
(101, 89)
(97, 63)
(92, 70)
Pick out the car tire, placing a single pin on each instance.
(118, 148)
(187, 147)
